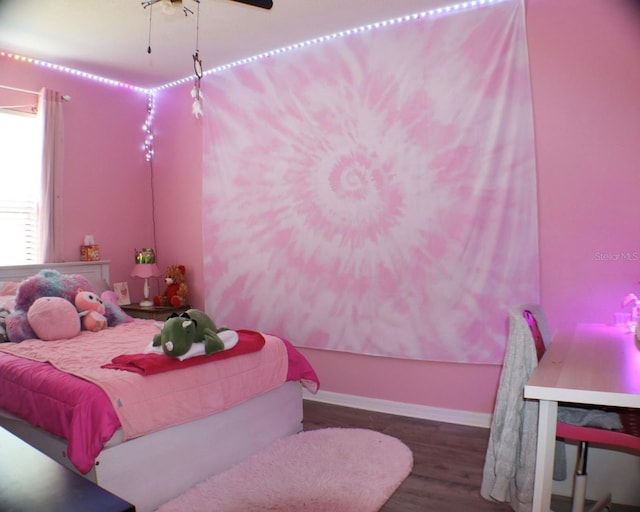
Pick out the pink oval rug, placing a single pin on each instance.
(326, 470)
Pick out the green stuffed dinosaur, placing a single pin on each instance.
(179, 333)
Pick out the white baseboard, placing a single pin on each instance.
(425, 412)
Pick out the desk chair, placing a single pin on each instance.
(626, 437)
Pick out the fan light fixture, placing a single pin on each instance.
(168, 6)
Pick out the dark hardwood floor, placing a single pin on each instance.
(448, 460)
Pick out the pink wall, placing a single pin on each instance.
(585, 57)
(178, 187)
(106, 178)
(585, 63)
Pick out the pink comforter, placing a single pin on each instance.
(59, 403)
(141, 404)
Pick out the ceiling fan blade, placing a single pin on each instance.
(264, 4)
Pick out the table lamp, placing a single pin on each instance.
(145, 271)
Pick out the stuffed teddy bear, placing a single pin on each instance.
(92, 310)
(52, 283)
(176, 292)
(179, 333)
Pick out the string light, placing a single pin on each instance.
(431, 13)
(148, 141)
(150, 92)
(75, 72)
(146, 128)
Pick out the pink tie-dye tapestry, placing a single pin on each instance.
(376, 193)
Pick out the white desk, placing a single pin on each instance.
(596, 364)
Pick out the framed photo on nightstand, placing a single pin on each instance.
(122, 291)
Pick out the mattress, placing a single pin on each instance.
(64, 388)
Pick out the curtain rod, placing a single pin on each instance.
(31, 111)
(18, 89)
(8, 107)
(65, 97)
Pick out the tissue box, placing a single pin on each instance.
(89, 253)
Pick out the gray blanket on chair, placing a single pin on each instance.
(589, 417)
(584, 418)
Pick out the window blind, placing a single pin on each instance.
(18, 224)
(20, 169)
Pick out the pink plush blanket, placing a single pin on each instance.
(141, 403)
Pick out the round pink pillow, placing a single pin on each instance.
(54, 318)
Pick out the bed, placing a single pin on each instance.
(146, 456)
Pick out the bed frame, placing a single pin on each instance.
(150, 470)
(96, 272)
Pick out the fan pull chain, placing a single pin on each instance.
(196, 93)
(149, 41)
(197, 26)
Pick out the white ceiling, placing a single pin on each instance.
(109, 38)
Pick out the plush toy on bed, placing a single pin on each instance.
(176, 292)
(92, 310)
(53, 318)
(179, 333)
(52, 283)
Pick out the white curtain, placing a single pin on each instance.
(50, 214)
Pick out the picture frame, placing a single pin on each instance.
(122, 292)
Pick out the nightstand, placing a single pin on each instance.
(160, 313)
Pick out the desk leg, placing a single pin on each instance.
(547, 418)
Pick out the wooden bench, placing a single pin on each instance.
(32, 482)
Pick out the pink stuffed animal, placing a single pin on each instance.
(53, 318)
(92, 310)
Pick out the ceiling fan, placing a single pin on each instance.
(263, 4)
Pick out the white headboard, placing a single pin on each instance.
(96, 272)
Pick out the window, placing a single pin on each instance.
(20, 171)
